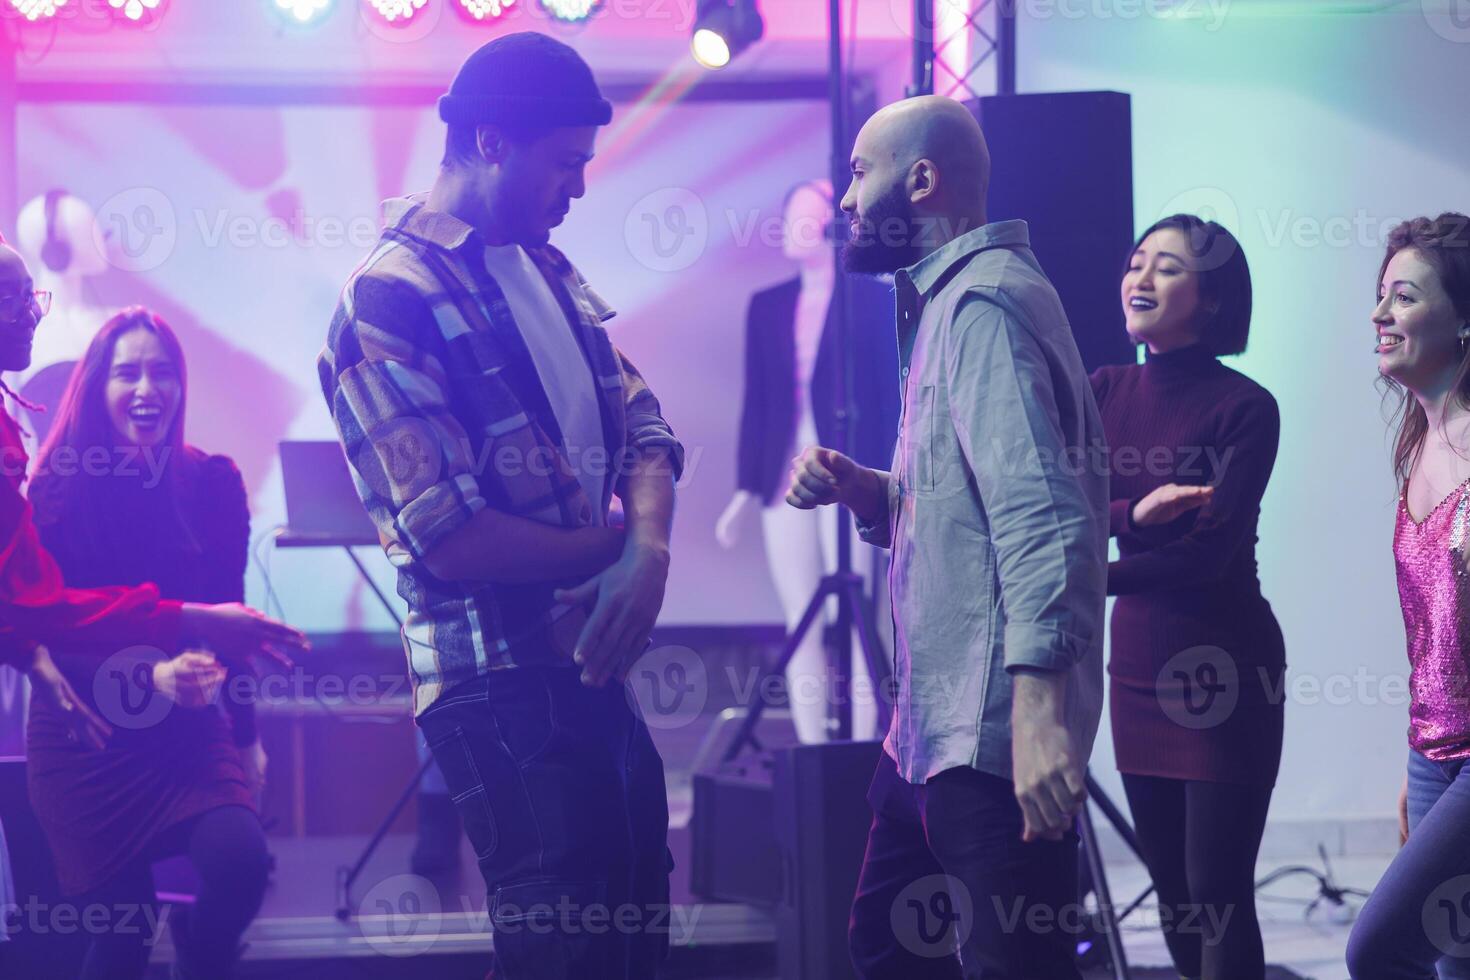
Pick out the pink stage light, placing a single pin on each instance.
(484, 11)
(37, 9)
(303, 11)
(134, 10)
(396, 12)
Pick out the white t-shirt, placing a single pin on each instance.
(565, 373)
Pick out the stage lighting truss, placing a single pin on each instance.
(483, 11)
(396, 11)
(303, 11)
(571, 10)
(962, 45)
(34, 10)
(134, 10)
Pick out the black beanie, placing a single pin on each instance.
(525, 79)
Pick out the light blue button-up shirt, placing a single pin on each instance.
(997, 506)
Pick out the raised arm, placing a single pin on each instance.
(1249, 433)
(36, 607)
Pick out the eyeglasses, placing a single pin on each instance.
(12, 306)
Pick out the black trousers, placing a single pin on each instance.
(1200, 840)
(562, 795)
(949, 890)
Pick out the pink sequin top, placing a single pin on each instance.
(1430, 557)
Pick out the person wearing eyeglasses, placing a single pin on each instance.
(38, 611)
(11, 306)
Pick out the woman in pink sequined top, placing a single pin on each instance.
(1417, 920)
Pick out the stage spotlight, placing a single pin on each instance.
(484, 11)
(571, 10)
(37, 9)
(723, 29)
(302, 11)
(396, 12)
(134, 10)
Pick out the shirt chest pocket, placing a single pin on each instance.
(920, 436)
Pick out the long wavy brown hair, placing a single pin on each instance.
(1444, 243)
(102, 512)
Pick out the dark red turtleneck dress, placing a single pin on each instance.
(1198, 661)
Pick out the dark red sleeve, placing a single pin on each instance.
(1119, 511)
(36, 607)
(1120, 517)
(1249, 432)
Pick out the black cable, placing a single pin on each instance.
(1328, 890)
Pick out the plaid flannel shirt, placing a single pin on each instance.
(441, 413)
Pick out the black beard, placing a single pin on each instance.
(886, 238)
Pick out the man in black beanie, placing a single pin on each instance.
(488, 421)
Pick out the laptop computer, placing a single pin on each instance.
(322, 505)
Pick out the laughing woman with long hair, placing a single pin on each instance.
(1412, 924)
(120, 498)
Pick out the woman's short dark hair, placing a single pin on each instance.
(1224, 279)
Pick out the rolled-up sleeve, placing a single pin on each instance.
(647, 428)
(1004, 408)
(386, 388)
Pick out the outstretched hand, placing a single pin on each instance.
(1168, 502)
(235, 633)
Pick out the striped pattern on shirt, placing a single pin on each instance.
(442, 414)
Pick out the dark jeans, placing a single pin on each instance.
(562, 794)
(1200, 841)
(1418, 916)
(946, 870)
(228, 849)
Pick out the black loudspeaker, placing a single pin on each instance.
(822, 821)
(786, 830)
(1064, 163)
(733, 855)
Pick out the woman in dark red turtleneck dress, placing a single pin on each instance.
(1197, 656)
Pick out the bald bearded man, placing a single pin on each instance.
(996, 512)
